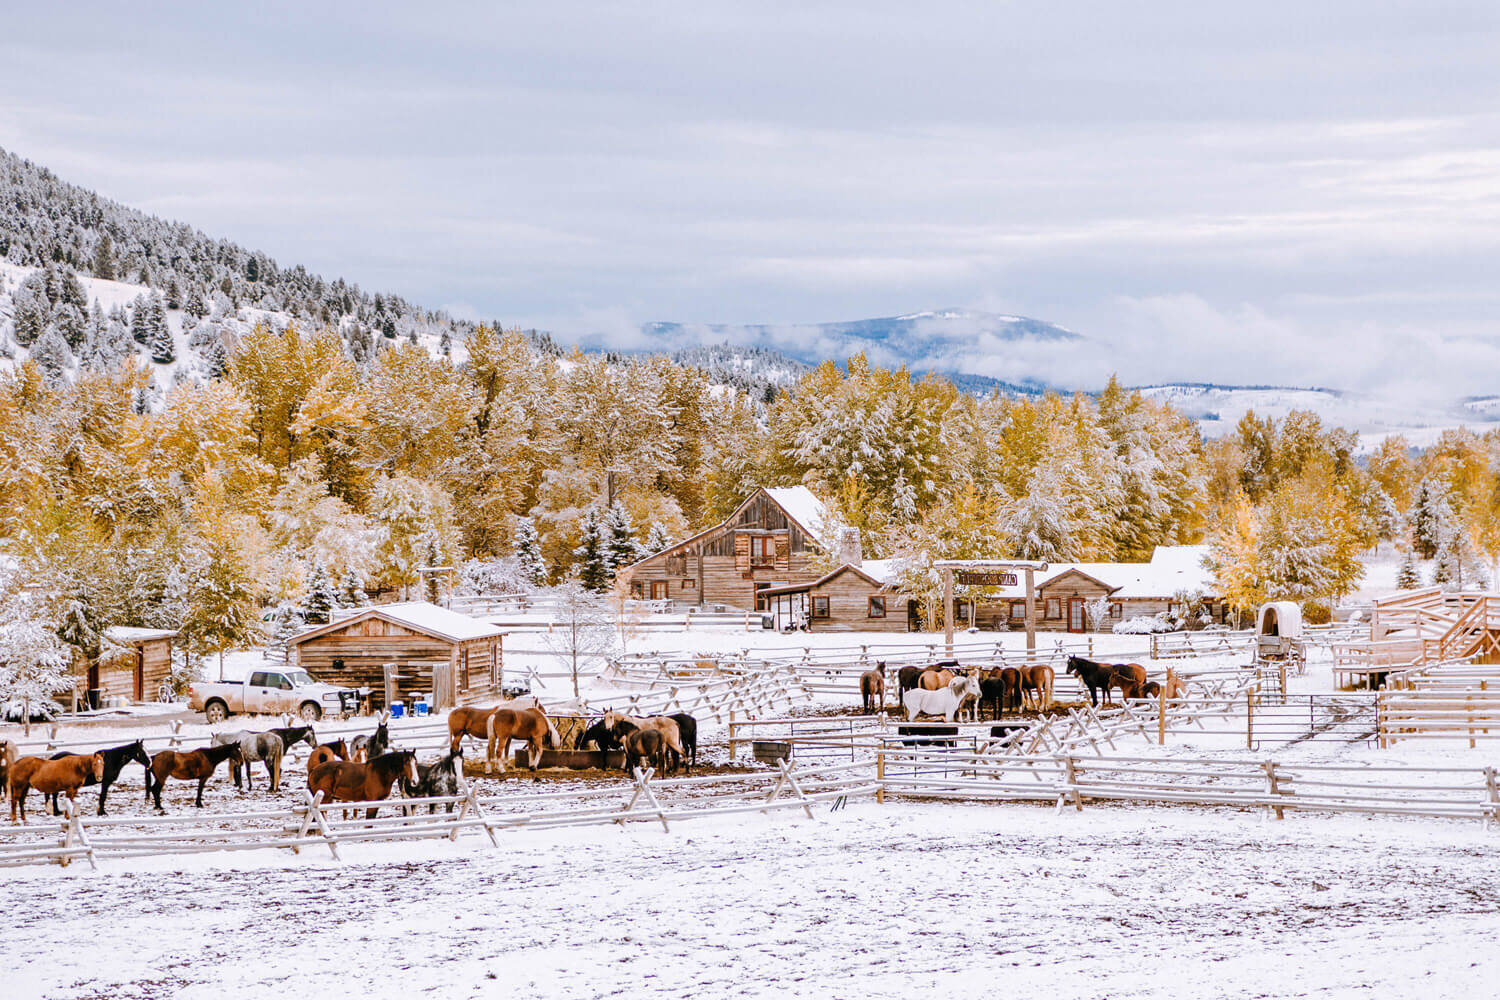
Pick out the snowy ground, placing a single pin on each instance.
(873, 901)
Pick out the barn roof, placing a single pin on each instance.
(877, 573)
(799, 503)
(129, 633)
(419, 616)
(1172, 568)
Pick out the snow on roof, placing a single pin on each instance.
(423, 617)
(803, 507)
(129, 633)
(1172, 568)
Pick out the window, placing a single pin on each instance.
(820, 607)
(637, 590)
(689, 584)
(658, 590)
(762, 550)
(1017, 611)
(1117, 610)
(877, 607)
(760, 602)
(1054, 607)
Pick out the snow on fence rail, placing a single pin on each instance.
(315, 823)
(1440, 792)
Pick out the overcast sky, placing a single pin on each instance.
(1272, 192)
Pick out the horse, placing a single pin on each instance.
(992, 689)
(599, 735)
(364, 747)
(872, 689)
(440, 778)
(325, 752)
(907, 679)
(187, 765)
(529, 724)
(934, 678)
(64, 775)
(1151, 690)
(687, 728)
(475, 722)
(1128, 677)
(671, 733)
(361, 781)
(1175, 687)
(1036, 680)
(946, 702)
(115, 759)
(7, 759)
(640, 744)
(268, 747)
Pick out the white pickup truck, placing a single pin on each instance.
(271, 692)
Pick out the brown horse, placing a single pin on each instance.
(337, 750)
(935, 679)
(1130, 678)
(475, 723)
(1036, 681)
(872, 689)
(906, 680)
(188, 765)
(351, 781)
(65, 775)
(7, 760)
(529, 724)
(671, 733)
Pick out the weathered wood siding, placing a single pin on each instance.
(356, 656)
(848, 597)
(151, 659)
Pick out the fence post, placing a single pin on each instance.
(1273, 787)
(880, 774)
(1250, 717)
(1072, 787)
(1469, 705)
(1161, 713)
(732, 744)
(1492, 790)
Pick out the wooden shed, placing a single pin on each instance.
(432, 651)
(139, 675)
(849, 599)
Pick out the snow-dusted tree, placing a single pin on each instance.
(34, 663)
(619, 535)
(411, 518)
(582, 633)
(1456, 564)
(656, 541)
(71, 323)
(528, 553)
(1038, 525)
(286, 622)
(163, 349)
(1407, 577)
(594, 567)
(1098, 613)
(322, 596)
(31, 311)
(51, 354)
(1430, 505)
(1295, 553)
(903, 501)
(1234, 557)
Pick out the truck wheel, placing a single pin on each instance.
(215, 712)
(310, 711)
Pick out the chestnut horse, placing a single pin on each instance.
(1036, 681)
(7, 759)
(934, 679)
(188, 765)
(475, 723)
(323, 753)
(64, 775)
(352, 781)
(529, 724)
(872, 689)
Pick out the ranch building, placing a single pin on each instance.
(768, 542)
(139, 674)
(406, 652)
(1065, 591)
(855, 597)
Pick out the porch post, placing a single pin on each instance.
(948, 608)
(1030, 615)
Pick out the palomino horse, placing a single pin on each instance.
(115, 760)
(188, 765)
(529, 724)
(364, 747)
(671, 732)
(1036, 681)
(371, 781)
(64, 775)
(934, 678)
(1130, 678)
(323, 753)
(872, 689)
(946, 702)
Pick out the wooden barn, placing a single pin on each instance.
(768, 542)
(137, 676)
(431, 650)
(852, 598)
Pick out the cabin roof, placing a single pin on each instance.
(128, 634)
(800, 504)
(876, 573)
(419, 616)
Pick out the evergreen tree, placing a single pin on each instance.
(104, 259)
(286, 623)
(69, 321)
(656, 540)
(31, 311)
(51, 354)
(1407, 577)
(217, 358)
(352, 592)
(163, 350)
(592, 553)
(620, 541)
(322, 597)
(528, 553)
(140, 321)
(1429, 507)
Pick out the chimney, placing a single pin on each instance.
(850, 551)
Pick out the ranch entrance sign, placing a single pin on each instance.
(989, 573)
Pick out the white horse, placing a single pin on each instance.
(946, 702)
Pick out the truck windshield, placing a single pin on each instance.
(299, 677)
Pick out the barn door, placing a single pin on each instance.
(1075, 615)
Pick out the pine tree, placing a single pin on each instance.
(31, 312)
(51, 354)
(352, 592)
(594, 568)
(140, 321)
(286, 623)
(104, 259)
(159, 339)
(657, 540)
(620, 540)
(322, 597)
(1407, 577)
(1428, 508)
(528, 553)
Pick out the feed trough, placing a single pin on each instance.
(771, 751)
(574, 760)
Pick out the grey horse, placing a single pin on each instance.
(268, 747)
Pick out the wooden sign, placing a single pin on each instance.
(981, 578)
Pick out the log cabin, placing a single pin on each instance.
(769, 541)
(852, 598)
(451, 657)
(138, 675)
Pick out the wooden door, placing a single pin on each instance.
(1076, 619)
(140, 675)
(658, 590)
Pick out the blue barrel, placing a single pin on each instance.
(419, 709)
(398, 709)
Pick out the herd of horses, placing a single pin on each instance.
(948, 689)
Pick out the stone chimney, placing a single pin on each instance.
(850, 551)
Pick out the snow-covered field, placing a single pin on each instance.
(898, 900)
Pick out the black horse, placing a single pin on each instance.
(687, 728)
(1102, 676)
(598, 734)
(992, 690)
(369, 747)
(437, 779)
(907, 678)
(115, 760)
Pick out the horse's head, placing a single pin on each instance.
(1074, 665)
(409, 765)
(611, 718)
(308, 737)
(96, 764)
(880, 667)
(138, 754)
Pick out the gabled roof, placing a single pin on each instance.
(1077, 570)
(800, 504)
(875, 573)
(419, 616)
(1172, 568)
